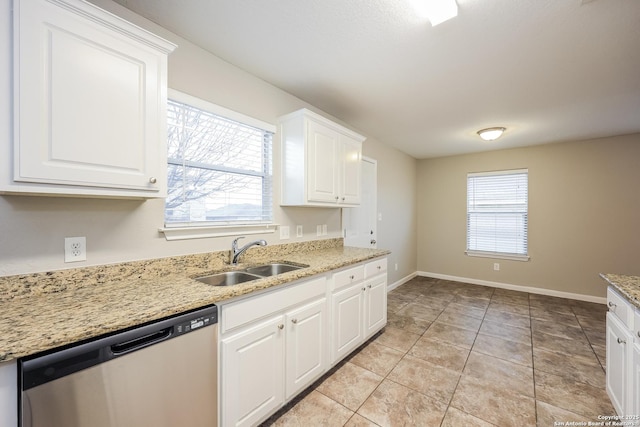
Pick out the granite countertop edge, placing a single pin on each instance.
(627, 286)
(48, 319)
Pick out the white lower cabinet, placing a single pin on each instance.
(347, 314)
(275, 344)
(8, 394)
(375, 305)
(306, 345)
(359, 306)
(635, 371)
(267, 361)
(619, 351)
(635, 368)
(623, 356)
(252, 371)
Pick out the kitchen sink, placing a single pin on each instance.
(272, 269)
(228, 278)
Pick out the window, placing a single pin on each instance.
(497, 214)
(219, 166)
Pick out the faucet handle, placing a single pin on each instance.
(234, 245)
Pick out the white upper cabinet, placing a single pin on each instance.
(320, 161)
(90, 93)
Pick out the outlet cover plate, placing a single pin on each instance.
(75, 249)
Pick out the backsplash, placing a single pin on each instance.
(26, 285)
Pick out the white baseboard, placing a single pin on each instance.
(530, 289)
(401, 281)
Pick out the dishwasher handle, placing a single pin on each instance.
(140, 342)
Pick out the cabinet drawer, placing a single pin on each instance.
(241, 312)
(376, 267)
(618, 306)
(348, 276)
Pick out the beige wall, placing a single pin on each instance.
(32, 229)
(584, 206)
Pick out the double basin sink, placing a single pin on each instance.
(229, 278)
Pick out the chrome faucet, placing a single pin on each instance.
(235, 252)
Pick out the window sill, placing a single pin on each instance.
(498, 255)
(202, 232)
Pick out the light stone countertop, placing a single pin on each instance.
(42, 311)
(627, 286)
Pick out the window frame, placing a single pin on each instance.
(497, 254)
(203, 229)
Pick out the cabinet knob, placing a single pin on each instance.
(369, 286)
(379, 267)
(294, 321)
(638, 334)
(373, 242)
(364, 289)
(152, 180)
(280, 326)
(337, 198)
(621, 341)
(611, 304)
(352, 277)
(344, 198)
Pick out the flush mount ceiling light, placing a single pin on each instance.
(436, 11)
(490, 134)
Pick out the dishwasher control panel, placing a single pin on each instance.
(196, 323)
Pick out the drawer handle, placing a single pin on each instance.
(379, 267)
(294, 321)
(280, 326)
(621, 341)
(352, 277)
(612, 305)
(152, 180)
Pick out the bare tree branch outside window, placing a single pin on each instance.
(219, 170)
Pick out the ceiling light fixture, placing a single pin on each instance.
(490, 134)
(436, 11)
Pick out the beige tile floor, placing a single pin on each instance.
(455, 354)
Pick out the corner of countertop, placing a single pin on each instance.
(628, 286)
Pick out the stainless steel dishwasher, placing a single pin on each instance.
(163, 374)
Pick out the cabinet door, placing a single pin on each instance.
(306, 345)
(348, 326)
(351, 176)
(618, 342)
(322, 172)
(90, 101)
(252, 368)
(9, 393)
(375, 305)
(634, 408)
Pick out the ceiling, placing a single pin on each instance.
(547, 70)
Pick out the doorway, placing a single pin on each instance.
(359, 224)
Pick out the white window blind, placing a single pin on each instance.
(497, 214)
(219, 169)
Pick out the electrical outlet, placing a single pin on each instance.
(496, 266)
(318, 230)
(284, 232)
(298, 231)
(75, 249)
(324, 229)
